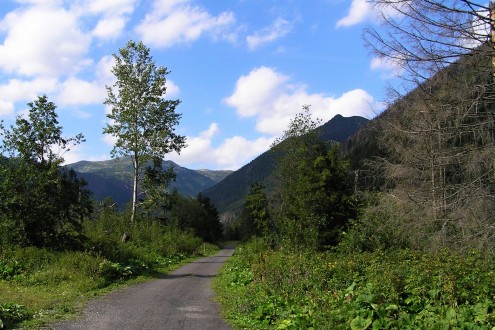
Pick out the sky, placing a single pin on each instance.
(241, 68)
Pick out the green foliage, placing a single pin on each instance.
(155, 185)
(37, 138)
(197, 215)
(149, 238)
(317, 192)
(12, 313)
(41, 203)
(261, 288)
(141, 120)
(255, 218)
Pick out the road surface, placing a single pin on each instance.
(181, 299)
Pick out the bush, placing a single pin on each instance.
(399, 289)
(12, 313)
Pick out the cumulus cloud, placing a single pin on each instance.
(112, 16)
(40, 2)
(274, 100)
(109, 27)
(80, 152)
(275, 31)
(110, 7)
(255, 91)
(359, 11)
(177, 21)
(172, 89)
(42, 41)
(231, 154)
(109, 139)
(16, 90)
(78, 92)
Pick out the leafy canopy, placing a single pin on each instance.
(41, 203)
(141, 120)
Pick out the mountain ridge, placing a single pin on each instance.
(226, 189)
(228, 195)
(113, 178)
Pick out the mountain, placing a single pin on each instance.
(113, 178)
(229, 194)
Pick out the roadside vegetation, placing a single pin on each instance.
(58, 247)
(265, 288)
(40, 285)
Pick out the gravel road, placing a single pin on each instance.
(179, 300)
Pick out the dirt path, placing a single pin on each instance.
(179, 300)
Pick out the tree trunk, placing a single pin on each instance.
(135, 187)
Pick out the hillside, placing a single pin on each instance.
(113, 178)
(229, 194)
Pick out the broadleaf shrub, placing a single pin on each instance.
(12, 313)
(399, 289)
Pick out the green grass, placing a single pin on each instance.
(261, 288)
(40, 286)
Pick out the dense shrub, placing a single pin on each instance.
(398, 289)
(11, 313)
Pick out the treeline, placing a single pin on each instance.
(44, 203)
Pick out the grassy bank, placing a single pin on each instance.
(39, 286)
(261, 288)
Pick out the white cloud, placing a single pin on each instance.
(79, 153)
(110, 27)
(172, 89)
(231, 154)
(76, 91)
(255, 91)
(42, 41)
(110, 7)
(274, 101)
(359, 11)
(277, 30)
(236, 151)
(27, 90)
(113, 16)
(177, 21)
(39, 2)
(104, 70)
(109, 139)
(6, 108)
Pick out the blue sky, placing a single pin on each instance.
(242, 68)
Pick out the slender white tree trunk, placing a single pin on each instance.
(135, 187)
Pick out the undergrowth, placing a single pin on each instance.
(38, 286)
(261, 288)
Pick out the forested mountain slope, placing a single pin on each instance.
(229, 194)
(113, 178)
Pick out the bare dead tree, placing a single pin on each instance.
(439, 137)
